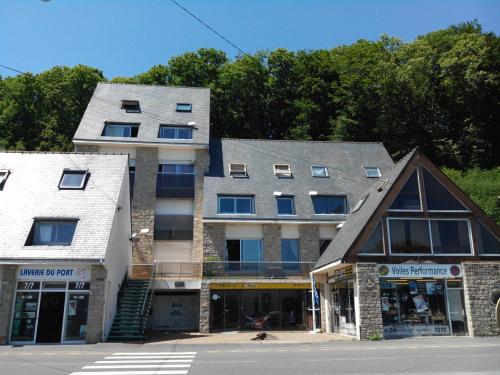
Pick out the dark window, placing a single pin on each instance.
(172, 132)
(131, 106)
(488, 242)
(409, 236)
(409, 197)
(73, 180)
(131, 176)
(285, 206)
(450, 237)
(53, 232)
(183, 107)
(121, 130)
(329, 204)
(323, 244)
(173, 227)
(290, 254)
(319, 171)
(236, 205)
(374, 244)
(4, 173)
(438, 197)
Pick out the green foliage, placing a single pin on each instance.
(377, 336)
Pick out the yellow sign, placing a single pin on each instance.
(219, 286)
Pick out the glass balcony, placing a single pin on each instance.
(169, 185)
(177, 270)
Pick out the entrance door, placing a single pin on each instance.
(50, 317)
(457, 311)
(231, 311)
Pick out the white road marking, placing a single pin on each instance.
(151, 357)
(148, 361)
(157, 353)
(134, 366)
(154, 372)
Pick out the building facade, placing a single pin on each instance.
(64, 249)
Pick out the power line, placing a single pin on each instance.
(12, 69)
(210, 28)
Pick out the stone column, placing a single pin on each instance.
(7, 291)
(97, 303)
(143, 211)
(272, 242)
(205, 308)
(214, 249)
(309, 242)
(480, 281)
(324, 297)
(367, 289)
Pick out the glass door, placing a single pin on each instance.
(458, 317)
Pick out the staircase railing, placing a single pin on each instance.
(146, 306)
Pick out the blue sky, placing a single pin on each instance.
(127, 37)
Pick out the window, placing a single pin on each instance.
(176, 168)
(409, 196)
(372, 172)
(375, 244)
(183, 107)
(53, 232)
(489, 244)
(409, 236)
(236, 205)
(173, 227)
(319, 171)
(438, 198)
(4, 173)
(131, 106)
(450, 237)
(121, 130)
(285, 205)
(360, 203)
(244, 255)
(73, 180)
(290, 254)
(238, 170)
(282, 170)
(131, 175)
(329, 204)
(172, 132)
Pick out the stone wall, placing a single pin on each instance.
(309, 242)
(367, 290)
(7, 290)
(97, 299)
(86, 148)
(143, 210)
(214, 249)
(480, 281)
(205, 308)
(272, 242)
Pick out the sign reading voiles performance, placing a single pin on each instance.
(54, 273)
(420, 270)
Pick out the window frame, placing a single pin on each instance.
(238, 174)
(333, 196)
(177, 129)
(83, 184)
(178, 107)
(432, 253)
(236, 197)
(278, 174)
(54, 221)
(366, 167)
(289, 197)
(131, 106)
(108, 125)
(3, 179)
(325, 168)
(420, 199)
(448, 190)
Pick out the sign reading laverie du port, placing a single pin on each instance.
(62, 273)
(420, 270)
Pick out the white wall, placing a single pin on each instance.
(174, 207)
(290, 231)
(176, 155)
(244, 231)
(173, 251)
(327, 231)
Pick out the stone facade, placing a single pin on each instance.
(7, 289)
(214, 248)
(369, 309)
(205, 308)
(309, 242)
(272, 242)
(96, 304)
(143, 210)
(480, 281)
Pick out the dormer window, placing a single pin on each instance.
(184, 107)
(73, 180)
(282, 170)
(4, 173)
(238, 170)
(131, 106)
(372, 172)
(121, 130)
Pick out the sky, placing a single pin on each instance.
(127, 37)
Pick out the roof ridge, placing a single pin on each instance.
(149, 85)
(57, 152)
(296, 140)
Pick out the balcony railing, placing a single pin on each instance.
(264, 270)
(178, 270)
(169, 185)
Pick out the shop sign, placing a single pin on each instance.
(342, 273)
(220, 286)
(420, 270)
(54, 273)
(417, 330)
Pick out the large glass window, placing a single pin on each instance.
(374, 244)
(450, 237)
(25, 315)
(54, 232)
(409, 236)
(409, 196)
(489, 244)
(438, 198)
(171, 132)
(245, 255)
(121, 130)
(76, 316)
(290, 254)
(329, 204)
(285, 206)
(236, 205)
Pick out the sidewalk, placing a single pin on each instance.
(236, 337)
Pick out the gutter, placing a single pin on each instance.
(327, 266)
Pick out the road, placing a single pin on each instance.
(408, 356)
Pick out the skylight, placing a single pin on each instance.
(372, 172)
(131, 106)
(184, 107)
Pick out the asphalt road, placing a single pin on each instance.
(408, 356)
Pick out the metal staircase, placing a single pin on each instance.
(132, 313)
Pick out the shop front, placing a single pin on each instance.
(341, 288)
(259, 306)
(50, 304)
(422, 300)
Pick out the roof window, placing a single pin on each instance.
(360, 203)
(282, 170)
(52, 232)
(184, 107)
(121, 130)
(238, 170)
(4, 173)
(73, 180)
(131, 106)
(372, 172)
(319, 171)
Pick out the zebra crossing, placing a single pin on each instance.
(137, 363)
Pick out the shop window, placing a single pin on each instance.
(329, 204)
(343, 308)
(25, 316)
(409, 196)
(77, 305)
(121, 130)
(244, 255)
(438, 198)
(319, 171)
(409, 236)
(236, 205)
(450, 237)
(489, 244)
(52, 233)
(285, 205)
(290, 254)
(73, 180)
(374, 244)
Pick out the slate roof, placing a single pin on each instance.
(344, 160)
(31, 191)
(357, 221)
(158, 106)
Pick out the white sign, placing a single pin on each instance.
(65, 273)
(440, 271)
(418, 330)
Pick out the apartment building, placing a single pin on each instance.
(165, 132)
(64, 248)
